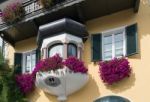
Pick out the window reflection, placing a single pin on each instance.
(56, 49)
(72, 50)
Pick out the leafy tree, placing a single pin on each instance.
(9, 91)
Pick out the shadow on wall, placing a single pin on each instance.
(34, 95)
(87, 93)
(90, 88)
(50, 97)
(123, 85)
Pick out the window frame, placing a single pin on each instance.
(24, 61)
(75, 48)
(112, 32)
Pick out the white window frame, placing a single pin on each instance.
(113, 32)
(24, 61)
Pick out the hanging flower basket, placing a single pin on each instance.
(55, 76)
(46, 3)
(49, 3)
(60, 78)
(13, 13)
(114, 70)
(25, 82)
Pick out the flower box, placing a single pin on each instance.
(61, 82)
(13, 13)
(114, 70)
(60, 78)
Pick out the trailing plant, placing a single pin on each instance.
(46, 3)
(13, 12)
(25, 82)
(114, 70)
(49, 3)
(52, 63)
(55, 62)
(75, 65)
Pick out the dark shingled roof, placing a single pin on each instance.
(64, 25)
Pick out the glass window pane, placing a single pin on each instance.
(118, 37)
(33, 56)
(108, 55)
(33, 61)
(28, 61)
(107, 47)
(1, 42)
(118, 45)
(119, 52)
(57, 49)
(72, 50)
(108, 39)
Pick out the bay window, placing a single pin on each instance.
(71, 50)
(55, 49)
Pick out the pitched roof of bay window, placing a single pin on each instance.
(61, 26)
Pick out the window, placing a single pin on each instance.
(72, 50)
(112, 99)
(1, 44)
(113, 44)
(55, 49)
(29, 61)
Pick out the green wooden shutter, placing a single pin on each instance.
(96, 47)
(38, 55)
(18, 63)
(132, 44)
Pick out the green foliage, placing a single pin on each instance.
(1, 58)
(9, 91)
(1, 86)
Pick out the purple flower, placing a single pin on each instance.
(75, 65)
(114, 70)
(55, 62)
(12, 12)
(25, 82)
(52, 63)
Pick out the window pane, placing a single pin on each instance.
(1, 42)
(118, 45)
(107, 47)
(28, 61)
(108, 55)
(108, 39)
(57, 49)
(33, 57)
(33, 61)
(119, 52)
(118, 37)
(72, 50)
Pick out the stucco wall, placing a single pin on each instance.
(26, 45)
(136, 88)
